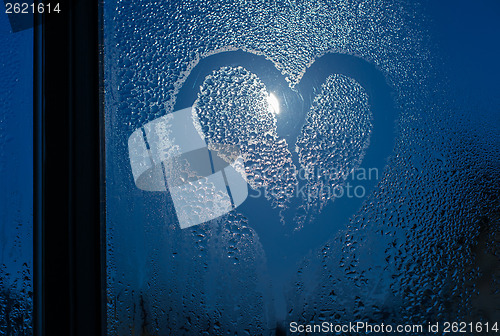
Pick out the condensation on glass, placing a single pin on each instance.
(16, 179)
(388, 182)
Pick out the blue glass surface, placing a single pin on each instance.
(16, 180)
(419, 246)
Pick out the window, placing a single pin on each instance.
(16, 179)
(253, 168)
(350, 158)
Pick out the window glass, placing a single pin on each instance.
(276, 164)
(16, 178)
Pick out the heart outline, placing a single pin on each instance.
(381, 103)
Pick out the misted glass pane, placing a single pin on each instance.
(274, 166)
(16, 178)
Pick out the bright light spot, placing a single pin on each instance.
(274, 103)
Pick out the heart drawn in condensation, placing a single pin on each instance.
(298, 149)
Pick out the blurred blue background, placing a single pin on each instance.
(16, 179)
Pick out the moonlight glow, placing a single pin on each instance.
(274, 103)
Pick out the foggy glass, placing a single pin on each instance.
(371, 184)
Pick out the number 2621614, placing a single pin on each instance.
(26, 8)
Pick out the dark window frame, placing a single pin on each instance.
(69, 267)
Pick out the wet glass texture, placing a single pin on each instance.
(369, 144)
(16, 180)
